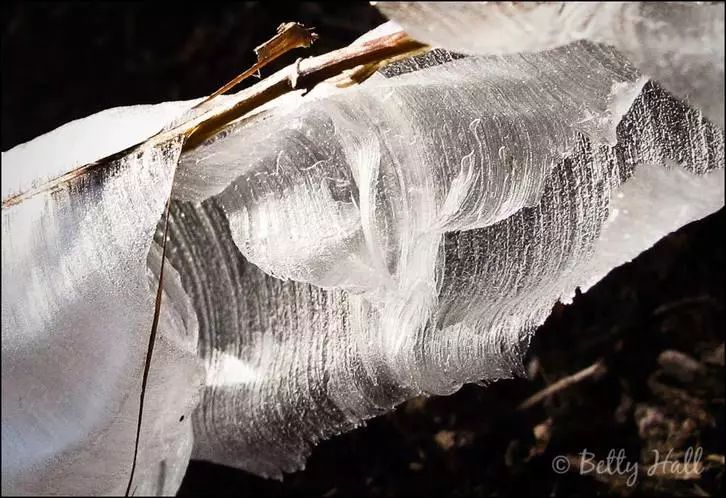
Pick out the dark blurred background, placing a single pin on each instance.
(657, 323)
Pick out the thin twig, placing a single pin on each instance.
(150, 347)
(593, 370)
(304, 74)
(289, 36)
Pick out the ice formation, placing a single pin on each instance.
(327, 259)
(76, 312)
(416, 257)
(679, 44)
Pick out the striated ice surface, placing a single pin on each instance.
(77, 307)
(355, 190)
(679, 44)
(328, 258)
(410, 237)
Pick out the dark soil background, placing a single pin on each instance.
(656, 324)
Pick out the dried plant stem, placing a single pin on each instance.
(596, 369)
(304, 74)
(208, 119)
(289, 36)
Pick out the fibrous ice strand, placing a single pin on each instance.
(330, 258)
